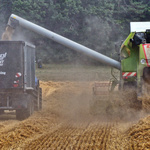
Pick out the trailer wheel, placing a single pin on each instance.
(22, 114)
(38, 100)
(1, 112)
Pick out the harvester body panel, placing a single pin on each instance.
(129, 56)
(142, 58)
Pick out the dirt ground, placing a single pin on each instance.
(65, 123)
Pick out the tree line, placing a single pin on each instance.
(97, 24)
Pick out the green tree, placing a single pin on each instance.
(5, 11)
(96, 24)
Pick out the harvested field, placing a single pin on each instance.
(65, 123)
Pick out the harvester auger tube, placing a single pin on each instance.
(13, 20)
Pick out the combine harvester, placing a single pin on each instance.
(134, 66)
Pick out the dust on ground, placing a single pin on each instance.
(65, 123)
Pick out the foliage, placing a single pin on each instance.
(97, 24)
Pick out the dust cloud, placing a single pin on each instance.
(73, 103)
(15, 34)
(7, 35)
(104, 35)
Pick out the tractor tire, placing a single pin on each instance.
(38, 100)
(146, 104)
(131, 101)
(145, 98)
(130, 96)
(40, 97)
(1, 112)
(22, 114)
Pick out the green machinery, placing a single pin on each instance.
(134, 81)
(135, 64)
(135, 59)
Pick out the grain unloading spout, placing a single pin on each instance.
(16, 20)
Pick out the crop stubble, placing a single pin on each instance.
(64, 123)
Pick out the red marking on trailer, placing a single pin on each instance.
(18, 75)
(16, 81)
(15, 85)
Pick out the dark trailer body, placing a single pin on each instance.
(17, 79)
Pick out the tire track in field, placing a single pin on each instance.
(64, 124)
(18, 134)
(75, 137)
